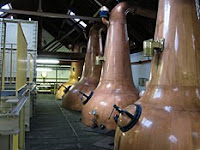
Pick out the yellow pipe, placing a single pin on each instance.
(75, 73)
(22, 130)
(15, 142)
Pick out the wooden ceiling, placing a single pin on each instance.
(139, 28)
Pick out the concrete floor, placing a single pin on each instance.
(55, 128)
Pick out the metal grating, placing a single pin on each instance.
(57, 128)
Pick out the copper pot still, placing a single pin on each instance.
(78, 93)
(116, 84)
(167, 116)
(75, 73)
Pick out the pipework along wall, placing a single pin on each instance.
(140, 70)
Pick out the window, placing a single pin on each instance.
(7, 6)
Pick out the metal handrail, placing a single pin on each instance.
(20, 104)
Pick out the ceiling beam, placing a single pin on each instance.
(98, 3)
(61, 39)
(47, 45)
(48, 14)
(64, 56)
(57, 48)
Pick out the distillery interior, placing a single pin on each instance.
(100, 75)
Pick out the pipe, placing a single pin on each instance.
(171, 103)
(3, 57)
(22, 129)
(105, 21)
(100, 41)
(116, 84)
(48, 14)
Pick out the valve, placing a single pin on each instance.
(151, 46)
(134, 117)
(99, 60)
(66, 89)
(94, 120)
(86, 96)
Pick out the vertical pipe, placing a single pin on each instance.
(3, 60)
(56, 77)
(22, 129)
(11, 63)
(15, 142)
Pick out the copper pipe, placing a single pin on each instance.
(171, 104)
(105, 21)
(116, 83)
(75, 73)
(100, 41)
(91, 74)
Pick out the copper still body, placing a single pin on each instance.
(91, 73)
(116, 84)
(167, 116)
(75, 73)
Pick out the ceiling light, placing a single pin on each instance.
(47, 61)
(83, 24)
(77, 20)
(44, 69)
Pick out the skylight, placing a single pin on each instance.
(83, 24)
(5, 7)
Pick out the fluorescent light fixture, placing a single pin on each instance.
(77, 20)
(73, 14)
(44, 69)
(47, 61)
(83, 24)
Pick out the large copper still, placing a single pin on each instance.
(75, 73)
(116, 85)
(170, 108)
(73, 99)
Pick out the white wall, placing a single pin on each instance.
(140, 70)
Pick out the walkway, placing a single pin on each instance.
(54, 128)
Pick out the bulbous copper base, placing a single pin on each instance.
(75, 73)
(102, 103)
(170, 126)
(60, 92)
(73, 100)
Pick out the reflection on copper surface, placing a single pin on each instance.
(170, 105)
(75, 73)
(91, 72)
(116, 84)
